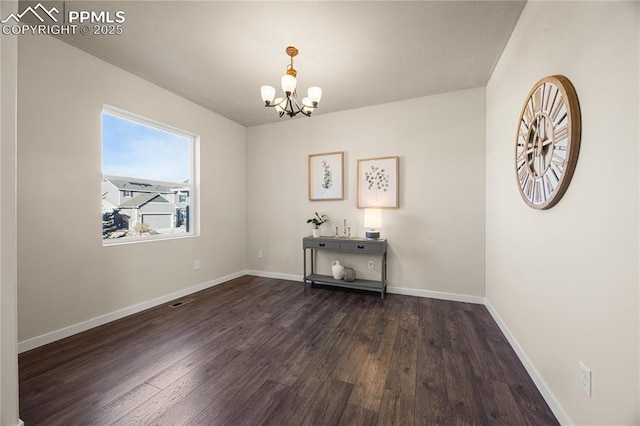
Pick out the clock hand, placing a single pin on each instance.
(535, 134)
(545, 138)
(539, 138)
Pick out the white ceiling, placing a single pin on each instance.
(218, 54)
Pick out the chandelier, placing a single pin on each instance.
(291, 104)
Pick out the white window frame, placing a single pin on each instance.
(194, 176)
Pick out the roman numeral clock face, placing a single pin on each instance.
(547, 142)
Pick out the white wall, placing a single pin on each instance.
(65, 275)
(436, 237)
(8, 263)
(565, 281)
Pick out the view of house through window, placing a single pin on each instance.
(147, 179)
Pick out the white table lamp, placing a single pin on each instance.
(372, 221)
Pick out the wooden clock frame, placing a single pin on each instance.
(547, 142)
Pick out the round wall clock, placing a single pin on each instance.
(547, 142)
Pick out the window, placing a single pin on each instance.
(148, 179)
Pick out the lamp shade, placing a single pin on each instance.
(372, 220)
(315, 94)
(268, 93)
(288, 83)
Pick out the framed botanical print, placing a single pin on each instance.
(326, 176)
(378, 182)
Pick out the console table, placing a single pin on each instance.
(376, 248)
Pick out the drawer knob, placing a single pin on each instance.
(321, 244)
(360, 246)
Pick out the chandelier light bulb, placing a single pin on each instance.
(268, 93)
(315, 94)
(288, 84)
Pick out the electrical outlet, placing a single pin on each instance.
(196, 265)
(585, 380)
(259, 254)
(371, 264)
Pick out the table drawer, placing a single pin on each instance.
(361, 247)
(334, 245)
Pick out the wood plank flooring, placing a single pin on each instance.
(263, 351)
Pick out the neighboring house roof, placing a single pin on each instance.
(139, 186)
(142, 199)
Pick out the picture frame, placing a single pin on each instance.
(378, 182)
(326, 176)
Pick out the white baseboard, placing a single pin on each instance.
(47, 338)
(546, 393)
(396, 290)
(275, 275)
(454, 297)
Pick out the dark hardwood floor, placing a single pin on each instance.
(264, 351)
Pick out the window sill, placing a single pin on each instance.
(145, 239)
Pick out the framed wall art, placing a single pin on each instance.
(378, 182)
(326, 176)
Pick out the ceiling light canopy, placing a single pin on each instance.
(290, 104)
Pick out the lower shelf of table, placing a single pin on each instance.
(357, 284)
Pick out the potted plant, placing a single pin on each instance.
(315, 222)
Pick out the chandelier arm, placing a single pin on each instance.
(292, 106)
(297, 101)
(301, 106)
(289, 108)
